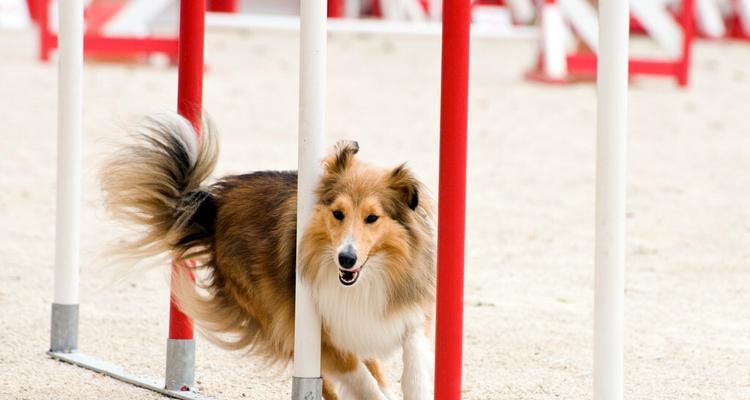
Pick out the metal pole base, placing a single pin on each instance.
(307, 388)
(180, 372)
(64, 328)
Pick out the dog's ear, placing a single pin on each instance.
(407, 187)
(342, 156)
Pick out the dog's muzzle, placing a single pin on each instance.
(348, 275)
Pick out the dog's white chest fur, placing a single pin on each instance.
(355, 316)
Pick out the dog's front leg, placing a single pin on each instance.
(416, 381)
(359, 384)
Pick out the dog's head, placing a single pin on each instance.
(363, 214)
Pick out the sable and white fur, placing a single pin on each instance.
(367, 253)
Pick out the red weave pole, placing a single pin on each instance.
(189, 105)
(180, 326)
(452, 199)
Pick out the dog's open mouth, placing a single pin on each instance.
(348, 277)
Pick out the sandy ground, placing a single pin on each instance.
(530, 213)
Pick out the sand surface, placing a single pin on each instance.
(530, 213)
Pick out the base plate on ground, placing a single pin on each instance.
(117, 372)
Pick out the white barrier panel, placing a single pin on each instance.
(136, 18)
(654, 16)
(522, 11)
(555, 64)
(403, 10)
(743, 10)
(709, 18)
(659, 24)
(583, 19)
(363, 26)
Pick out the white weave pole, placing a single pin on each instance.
(64, 331)
(612, 88)
(307, 384)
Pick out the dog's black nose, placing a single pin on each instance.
(347, 260)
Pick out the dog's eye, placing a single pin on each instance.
(338, 215)
(371, 218)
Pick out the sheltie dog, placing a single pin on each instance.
(367, 253)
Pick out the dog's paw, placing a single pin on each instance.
(388, 394)
(418, 393)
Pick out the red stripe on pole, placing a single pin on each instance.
(180, 326)
(452, 199)
(189, 105)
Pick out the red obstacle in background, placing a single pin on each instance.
(96, 44)
(735, 27)
(582, 65)
(337, 8)
(585, 64)
(229, 6)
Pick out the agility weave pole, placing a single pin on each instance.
(180, 361)
(454, 100)
(64, 324)
(609, 287)
(307, 383)
(180, 368)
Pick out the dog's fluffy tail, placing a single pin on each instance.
(155, 183)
